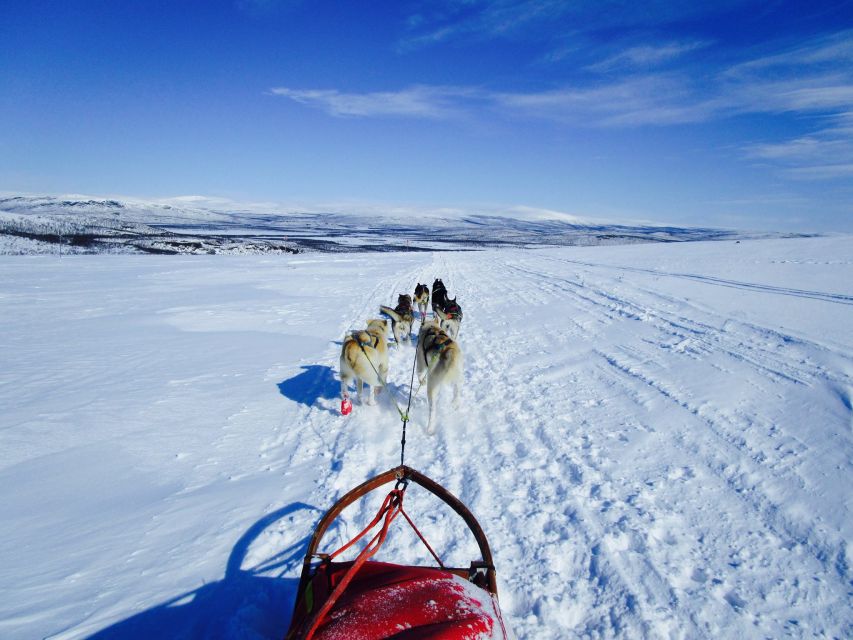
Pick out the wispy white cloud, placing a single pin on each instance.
(823, 154)
(418, 101)
(656, 99)
(806, 93)
(822, 172)
(647, 99)
(834, 49)
(646, 56)
(442, 20)
(815, 79)
(812, 78)
(806, 147)
(651, 99)
(674, 99)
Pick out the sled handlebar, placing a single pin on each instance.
(402, 474)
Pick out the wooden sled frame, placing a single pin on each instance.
(481, 572)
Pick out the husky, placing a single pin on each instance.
(422, 299)
(439, 362)
(364, 358)
(439, 295)
(450, 317)
(402, 318)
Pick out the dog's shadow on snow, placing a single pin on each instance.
(248, 602)
(315, 382)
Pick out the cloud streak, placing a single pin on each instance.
(650, 99)
(454, 20)
(823, 155)
(810, 79)
(815, 79)
(418, 101)
(646, 56)
(450, 20)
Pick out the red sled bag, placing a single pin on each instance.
(369, 600)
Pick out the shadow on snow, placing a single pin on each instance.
(314, 383)
(255, 602)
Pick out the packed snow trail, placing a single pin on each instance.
(657, 440)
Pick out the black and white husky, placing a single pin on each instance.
(402, 318)
(422, 299)
(439, 295)
(450, 317)
(439, 362)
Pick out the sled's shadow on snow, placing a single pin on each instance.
(314, 383)
(253, 602)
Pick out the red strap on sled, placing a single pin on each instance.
(391, 507)
(389, 510)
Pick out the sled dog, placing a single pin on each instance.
(450, 317)
(439, 362)
(422, 299)
(364, 358)
(402, 317)
(439, 295)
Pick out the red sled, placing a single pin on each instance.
(369, 600)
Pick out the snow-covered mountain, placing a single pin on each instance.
(79, 224)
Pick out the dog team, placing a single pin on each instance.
(364, 355)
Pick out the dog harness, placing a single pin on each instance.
(372, 343)
(453, 311)
(438, 344)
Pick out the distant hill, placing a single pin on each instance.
(49, 224)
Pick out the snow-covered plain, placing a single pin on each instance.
(657, 439)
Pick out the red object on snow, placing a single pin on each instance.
(346, 407)
(392, 601)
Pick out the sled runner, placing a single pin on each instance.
(370, 600)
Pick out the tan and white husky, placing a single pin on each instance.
(402, 318)
(364, 358)
(439, 362)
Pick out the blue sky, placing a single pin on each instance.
(730, 113)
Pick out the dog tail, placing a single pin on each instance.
(388, 311)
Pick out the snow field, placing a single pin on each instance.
(656, 439)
